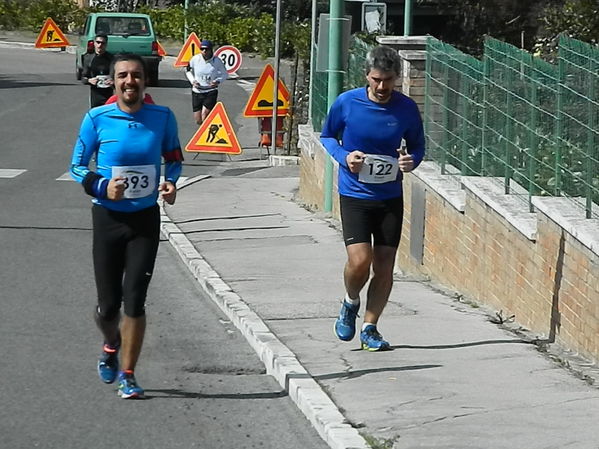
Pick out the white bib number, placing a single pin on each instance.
(140, 180)
(378, 169)
(102, 81)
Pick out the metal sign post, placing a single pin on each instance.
(275, 97)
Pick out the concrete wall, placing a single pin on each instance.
(466, 234)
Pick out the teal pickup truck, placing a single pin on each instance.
(127, 33)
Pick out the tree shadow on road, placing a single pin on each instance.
(11, 83)
(174, 83)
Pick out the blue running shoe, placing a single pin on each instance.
(128, 388)
(373, 341)
(108, 364)
(345, 325)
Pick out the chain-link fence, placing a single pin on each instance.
(513, 116)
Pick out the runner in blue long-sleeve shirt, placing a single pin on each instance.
(128, 139)
(365, 132)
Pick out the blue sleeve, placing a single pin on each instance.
(332, 129)
(414, 138)
(87, 144)
(171, 150)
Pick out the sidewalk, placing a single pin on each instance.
(453, 380)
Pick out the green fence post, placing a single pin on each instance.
(445, 115)
(534, 141)
(559, 123)
(427, 88)
(590, 147)
(509, 128)
(485, 111)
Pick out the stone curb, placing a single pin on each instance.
(278, 360)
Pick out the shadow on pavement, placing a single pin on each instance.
(173, 83)
(8, 83)
(177, 394)
(464, 345)
(362, 372)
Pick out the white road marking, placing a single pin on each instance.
(10, 172)
(246, 85)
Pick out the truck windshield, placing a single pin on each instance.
(123, 26)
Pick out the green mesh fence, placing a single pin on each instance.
(356, 76)
(320, 85)
(577, 125)
(515, 117)
(453, 108)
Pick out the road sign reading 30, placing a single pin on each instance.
(230, 56)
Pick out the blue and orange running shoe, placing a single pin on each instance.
(128, 387)
(345, 324)
(373, 341)
(108, 364)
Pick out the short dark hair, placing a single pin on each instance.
(102, 35)
(128, 57)
(383, 58)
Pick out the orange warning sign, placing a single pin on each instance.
(188, 51)
(51, 36)
(215, 135)
(260, 103)
(161, 50)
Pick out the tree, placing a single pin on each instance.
(513, 21)
(576, 18)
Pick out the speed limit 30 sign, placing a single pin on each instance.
(230, 56)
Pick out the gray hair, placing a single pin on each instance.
(384, 59)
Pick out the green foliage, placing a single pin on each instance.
(295, 38)
(11, 15)
(252, 34)
(66, 14)
(470, 20)
(576, 18)
(168, 23)
(238, 25)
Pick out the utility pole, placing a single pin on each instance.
(407, 18)
(335, 78)
(312, 62)
(275, 96)
(186, 7)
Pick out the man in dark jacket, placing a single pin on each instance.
(96, 72)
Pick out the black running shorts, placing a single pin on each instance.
(204, 100)
(377, 222)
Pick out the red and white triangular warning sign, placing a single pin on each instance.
(260, 102)
(215, 135)
(51, 36)
(161, 50)
(190, 48)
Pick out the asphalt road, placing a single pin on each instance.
(205, 386)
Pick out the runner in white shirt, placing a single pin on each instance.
(205, 73)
